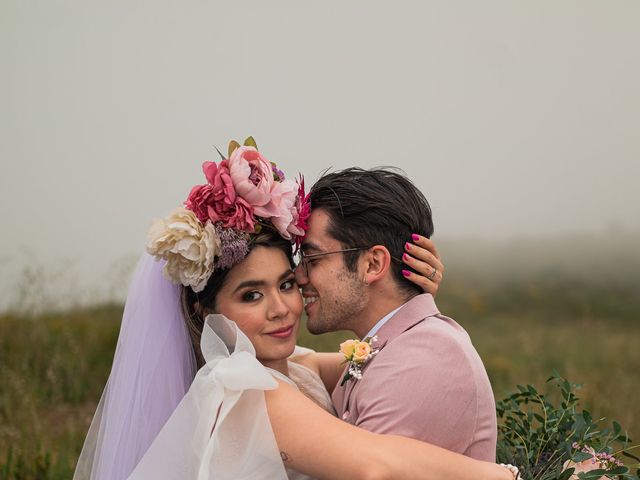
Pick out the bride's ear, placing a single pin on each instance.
(203, 311)
(377, 263)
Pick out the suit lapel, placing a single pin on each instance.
(412, 313)
(338, 397)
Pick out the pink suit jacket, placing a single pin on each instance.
(427, 382)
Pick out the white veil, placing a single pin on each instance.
(152, 369)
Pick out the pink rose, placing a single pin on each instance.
(217, 201)
(252, 177)
(198, 199)
(283, 208)
(292, 209)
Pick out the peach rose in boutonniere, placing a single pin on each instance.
(361, 352)
(348, 347)
(356, 354)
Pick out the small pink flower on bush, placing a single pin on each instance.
(585, 466)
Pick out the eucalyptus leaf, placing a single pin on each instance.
(593, 474)
(618, 470)
(580, 456)
(616, 428)
(566, 474)
(629, 455)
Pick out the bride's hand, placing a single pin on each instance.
(426, 268)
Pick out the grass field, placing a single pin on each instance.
(53, 367)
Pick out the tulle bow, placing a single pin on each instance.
(221, 429)
(230, 359)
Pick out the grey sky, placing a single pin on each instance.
(514, 118)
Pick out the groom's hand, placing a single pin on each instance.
(427, 269)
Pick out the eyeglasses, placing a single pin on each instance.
(302, 259)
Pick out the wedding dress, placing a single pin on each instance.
(221, 430)
(309, 383)
(148, 425)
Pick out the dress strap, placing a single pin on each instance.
(281, 376)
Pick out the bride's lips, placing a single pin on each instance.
(284, 332)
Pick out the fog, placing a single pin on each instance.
(518, 120)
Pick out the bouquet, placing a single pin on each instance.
(547, 441)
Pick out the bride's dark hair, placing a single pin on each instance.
(193, 303)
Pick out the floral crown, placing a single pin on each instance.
(244, 194)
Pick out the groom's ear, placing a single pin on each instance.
(377, 263)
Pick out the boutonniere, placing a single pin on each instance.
(357, 353)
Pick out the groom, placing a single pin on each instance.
(427, 380)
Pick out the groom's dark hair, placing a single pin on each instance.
(380, 206)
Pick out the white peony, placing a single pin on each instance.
(188, 246)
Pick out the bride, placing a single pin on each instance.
(252, 410)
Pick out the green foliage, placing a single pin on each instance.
(52, 371)
(539, 435)
(233, 145)
(53, 367)
(20, 469)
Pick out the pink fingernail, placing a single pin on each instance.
(405, 257)
(407, 246)
(415, 237)
(406, 273)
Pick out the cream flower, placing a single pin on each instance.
(188, 246)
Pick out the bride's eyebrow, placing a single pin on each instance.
(260, 283)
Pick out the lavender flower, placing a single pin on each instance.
(278, 175)
(235, 246)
